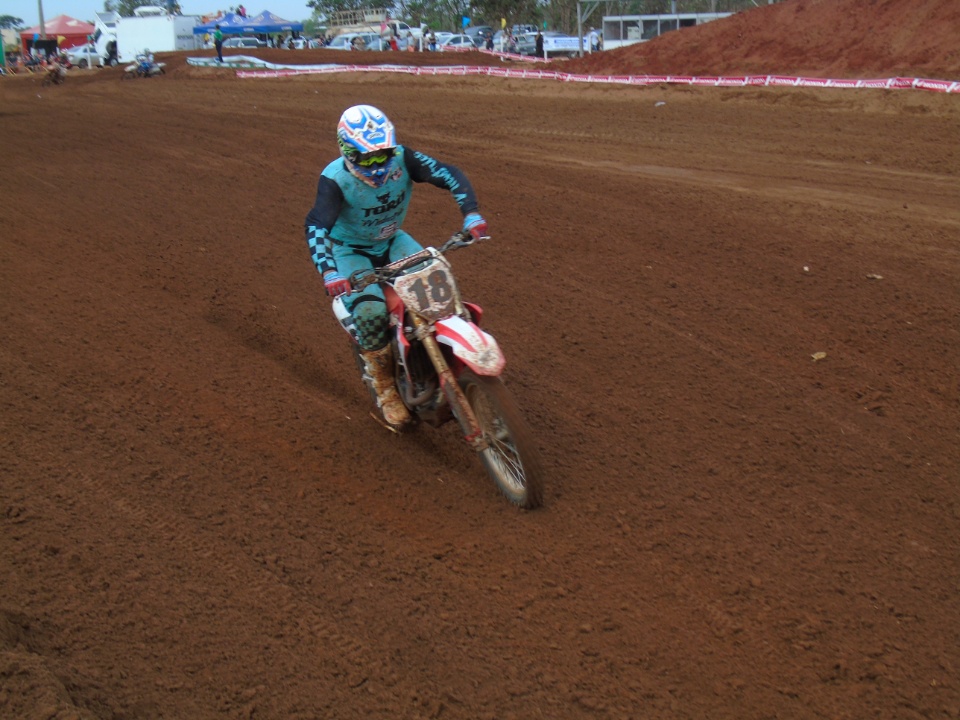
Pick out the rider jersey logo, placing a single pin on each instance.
(386, 206)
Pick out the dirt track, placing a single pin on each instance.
(199, 520)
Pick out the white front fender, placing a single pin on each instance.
(479, 350)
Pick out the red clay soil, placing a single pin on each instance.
(813, 38)
(730, 315)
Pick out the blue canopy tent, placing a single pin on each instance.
(267, 22)
(264, 23)
(230, 24)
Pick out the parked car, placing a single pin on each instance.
(341, 42)
(358, 41)
(306, 43)
(554, 44)
(527, 43)
(458, 42)
(516, 31)
(84, 56)
(244, 42)
(403, 29)
(502, 41)
(483, 31)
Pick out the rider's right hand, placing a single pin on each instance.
(335, 284)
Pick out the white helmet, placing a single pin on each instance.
(367, 143)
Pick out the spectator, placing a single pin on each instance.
(432, 41)
(218, 42)
(539, 45)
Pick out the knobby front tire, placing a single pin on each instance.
(512, 459)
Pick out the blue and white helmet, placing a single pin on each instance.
(367, 142)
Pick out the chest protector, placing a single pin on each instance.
(370, 215)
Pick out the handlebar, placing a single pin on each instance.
(362, 278)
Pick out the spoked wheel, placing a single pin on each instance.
(512, 459)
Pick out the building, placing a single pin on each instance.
(621, 30)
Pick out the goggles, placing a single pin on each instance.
(377, 157)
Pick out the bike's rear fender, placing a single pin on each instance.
(477, 349)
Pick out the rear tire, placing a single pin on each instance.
(512, 459)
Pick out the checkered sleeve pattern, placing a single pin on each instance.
(321, 249)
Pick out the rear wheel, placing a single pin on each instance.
(511, 459)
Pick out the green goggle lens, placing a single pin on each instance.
(368, 159)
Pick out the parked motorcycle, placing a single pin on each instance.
(144, 66)
(447, 367)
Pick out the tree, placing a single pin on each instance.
(125, 7)
(327, 8)
(9, 22)
(515, 12)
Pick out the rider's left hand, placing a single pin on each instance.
(474, 224)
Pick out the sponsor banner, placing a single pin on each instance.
(813, 82)
(902, 83)
(845, 83)
(732, 81)
(938, 85)
(782, 80)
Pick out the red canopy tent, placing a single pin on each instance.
(73, 32)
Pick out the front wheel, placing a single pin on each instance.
(511, 459)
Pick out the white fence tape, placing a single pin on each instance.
(898, 83)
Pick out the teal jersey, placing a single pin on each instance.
(349, 212)
(370, 215)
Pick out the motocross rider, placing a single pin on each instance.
(355, 224)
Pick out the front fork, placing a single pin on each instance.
(462, 411)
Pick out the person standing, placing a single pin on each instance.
(538, 51)
(218, 43)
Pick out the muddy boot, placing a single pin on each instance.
(379, 367)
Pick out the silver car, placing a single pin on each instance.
(244, 42)
(84, 56)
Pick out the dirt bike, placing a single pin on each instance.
(144, 67)
(55, 75)
(446, 367)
